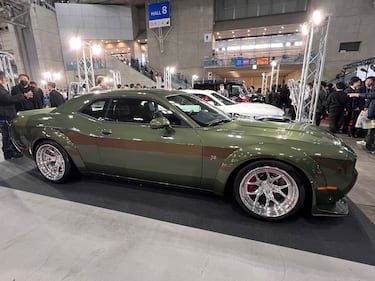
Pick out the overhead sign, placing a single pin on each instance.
(239, 62)
(262, 61)
(159, 15)
(207, 37)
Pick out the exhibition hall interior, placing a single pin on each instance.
(187, 140)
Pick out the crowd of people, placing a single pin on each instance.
(26, 95)
(342, 104)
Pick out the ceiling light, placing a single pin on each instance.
(317, 17)
(232, 31)
(297, 30)
(264, 33)
(279, 31)
(218, 33)
(265, 29)
(282, 27)
(248, 30)
(305, 29)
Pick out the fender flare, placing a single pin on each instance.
(56, 135)
(291, 156)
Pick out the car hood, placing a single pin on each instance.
(254, 109)
(268, 132)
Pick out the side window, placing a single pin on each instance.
(207, 99)
(132, 110)
(236, 90)
(171, 116)
(97, 109)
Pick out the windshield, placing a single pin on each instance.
(202, 113)
(223, 99)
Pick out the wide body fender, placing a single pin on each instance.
(293, 156)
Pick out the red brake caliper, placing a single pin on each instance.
(251, 187)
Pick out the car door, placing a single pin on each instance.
(129, 147)
(83, 131)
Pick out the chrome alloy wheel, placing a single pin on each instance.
(50, 162)
(269, 192)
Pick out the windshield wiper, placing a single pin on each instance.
(218, 122)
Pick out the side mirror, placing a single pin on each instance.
(160, 123)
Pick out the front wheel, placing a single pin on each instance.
(52, 161)
(269, 190)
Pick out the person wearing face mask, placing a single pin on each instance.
(22, 88)
(39, 96)
(7, 113)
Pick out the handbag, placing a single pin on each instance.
(361, 118)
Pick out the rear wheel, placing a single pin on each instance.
(269, 190)
(52, 161)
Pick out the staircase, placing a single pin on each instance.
(128, 74)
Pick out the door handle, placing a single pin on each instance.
(106, 132)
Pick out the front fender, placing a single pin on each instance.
(289, 155)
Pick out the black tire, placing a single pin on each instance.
(63, 174)
(296, 194)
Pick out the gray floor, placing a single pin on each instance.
(44, 238)
(363, 193)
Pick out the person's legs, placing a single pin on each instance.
(370, 144)
(332, 116)
(8, 148)
(346, 122)
(318, 118)
(355, 131)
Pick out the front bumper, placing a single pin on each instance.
(339, 206)
(338, 209)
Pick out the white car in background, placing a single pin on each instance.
(243, 109)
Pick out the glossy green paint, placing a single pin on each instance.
(197, 157)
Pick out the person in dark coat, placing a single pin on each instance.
(321, 107)
(336, 106)
(22, 88)
(7, 113)
(355, 105)
(38, 92)
(55, 98)
(370, 142)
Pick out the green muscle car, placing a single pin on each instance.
(169, 137)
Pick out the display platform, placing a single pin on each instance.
(350, 238)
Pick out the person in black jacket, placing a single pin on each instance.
(55, 98)
(22, 88)
(355, 105)
(38, 94)
(370, 142)
(336, 106)
(7, 113)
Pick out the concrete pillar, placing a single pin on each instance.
(184, 48)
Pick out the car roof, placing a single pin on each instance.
(78, 102)
(135, 92)
(197, 91)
